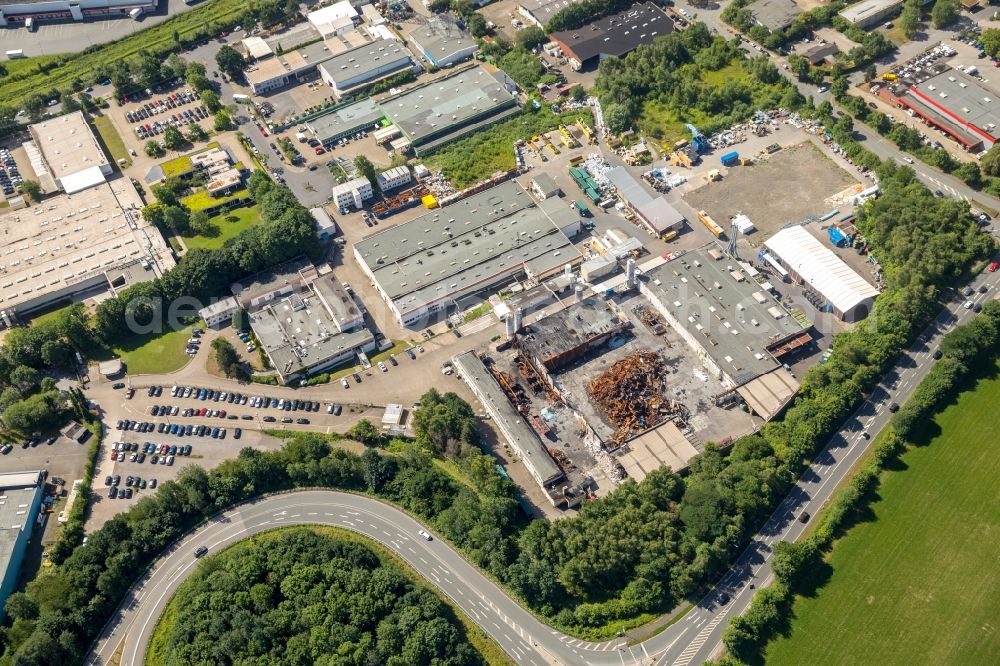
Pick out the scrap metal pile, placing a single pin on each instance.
(630, 394)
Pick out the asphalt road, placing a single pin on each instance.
(693, 639)
(51, 37)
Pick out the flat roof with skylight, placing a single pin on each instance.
(429, 113)
(734, 320)
(472, 244)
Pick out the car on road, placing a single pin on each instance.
(723, 598)
(978, 307)
(426, 535)
(908, 160)
(200, 551)
(893, 407)
(382, 367)
(118, 385)
(302, 421)
(804, 517)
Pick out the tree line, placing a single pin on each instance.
(300, 597)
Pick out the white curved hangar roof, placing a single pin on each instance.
(821, 268)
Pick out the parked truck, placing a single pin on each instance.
(241, 99)
(135, 13)
(730, 159)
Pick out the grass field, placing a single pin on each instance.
(247, 218)
(482, 154)
(111, 139)
(917, 583)
(31, 75)
(155, 353)
(487, 647)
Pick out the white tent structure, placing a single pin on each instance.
(809, 261)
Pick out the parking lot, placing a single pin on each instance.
(149, 117)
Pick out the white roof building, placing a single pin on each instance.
(330, 20)
(257, 48)
(849, 296)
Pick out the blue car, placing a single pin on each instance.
(215, 433)
(202, 394)
(173, 429)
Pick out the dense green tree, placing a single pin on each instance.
(154, 149)
(531, 37)
(223, 121)
(364, 431)
(368, 170)
(909, 19)
(944, 13)
(211, 100)
(32, 189)
(230, 61)
(173, 139)
(196, 133)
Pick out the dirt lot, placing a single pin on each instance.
(807, 176)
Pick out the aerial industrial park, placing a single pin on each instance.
(596, 330)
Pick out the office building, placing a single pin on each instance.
(14, 13)
(353, 193)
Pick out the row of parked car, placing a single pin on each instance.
(162, 105)
(116, 491)
(163, 455)
(186, 117)
(182, 430)
(10, 177)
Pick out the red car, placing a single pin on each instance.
(222, 413)
(994, 266)
(319, 150)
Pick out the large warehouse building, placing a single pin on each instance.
(737, 328)
(65, 154)
(442, 42)
(363, 65)
(425, 267)
(346, 121)
(807, 260)
(15, 13)
(951, 100)
(21, 493)
(93, 236)
(614, 35)
(451, 107)
(733, 322)
(653, 212)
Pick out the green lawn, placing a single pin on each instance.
(43, 73)
(182, 165)
(918, 583)
(111, 139)
(247, 218)
(202, 200)
(155, 353)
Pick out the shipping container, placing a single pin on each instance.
(710, 224)
(731, 159)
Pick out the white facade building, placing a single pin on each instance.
(393, 178)
(353, 193)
